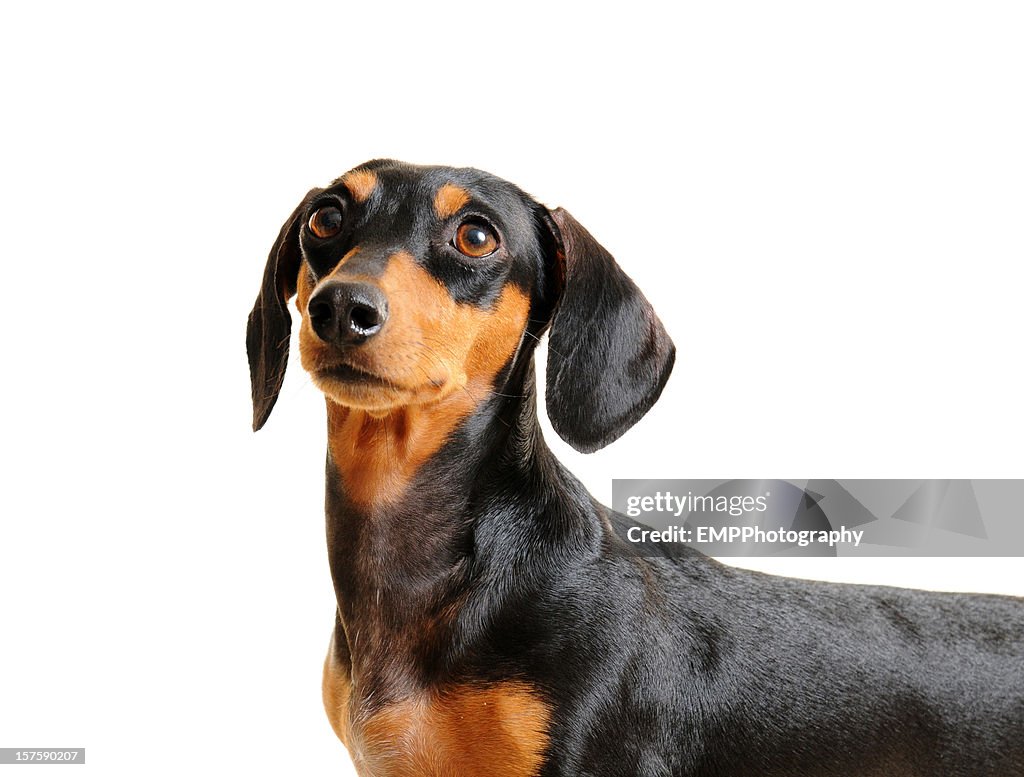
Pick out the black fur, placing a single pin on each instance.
(269, 327)
(606, 330)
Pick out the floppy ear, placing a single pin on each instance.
(608, 354)
(269, 330)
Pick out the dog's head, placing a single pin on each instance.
(414, 283)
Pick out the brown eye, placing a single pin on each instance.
(326, 221)
(475, 240)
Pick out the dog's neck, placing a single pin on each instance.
(376, 456)
(404, 557)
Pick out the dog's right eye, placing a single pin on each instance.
(326, 221)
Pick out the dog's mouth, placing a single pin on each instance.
(353, 386)
(346, 373)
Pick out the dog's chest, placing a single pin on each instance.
(465, 731)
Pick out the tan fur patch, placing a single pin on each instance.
(303, 288)
(495, 730)
(438, 359)
(360, 184)
(449, 199)
(337, 690)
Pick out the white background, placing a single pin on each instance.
(822, 200)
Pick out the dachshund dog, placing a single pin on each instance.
(492, 619)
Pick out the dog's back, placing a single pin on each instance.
(739, 673)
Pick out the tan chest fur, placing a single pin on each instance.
(495, 730)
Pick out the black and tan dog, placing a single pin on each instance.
(491, 620)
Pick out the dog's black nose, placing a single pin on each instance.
(343, 312)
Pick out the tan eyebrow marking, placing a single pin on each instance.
(360, 183)
(449, 199)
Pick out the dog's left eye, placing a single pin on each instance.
(475, 240)
(326, 221)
